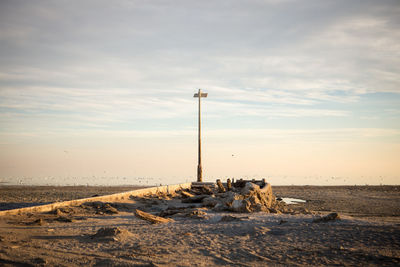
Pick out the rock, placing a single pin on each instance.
(230, 196)
(241, 206)
(248, 188)
(251, 198)
(330, 217)
(269, 197)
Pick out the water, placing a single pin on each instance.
(289, 200)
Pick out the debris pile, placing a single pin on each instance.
(241, 196)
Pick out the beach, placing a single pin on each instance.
(367, 231)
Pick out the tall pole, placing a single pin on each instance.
(199, 167)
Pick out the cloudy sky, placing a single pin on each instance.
(300, 92)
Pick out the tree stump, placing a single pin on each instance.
(229, 184)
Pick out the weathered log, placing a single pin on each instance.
(186, 194)
(150, 217)
(206, 190)
(229, 184)
(221, 188)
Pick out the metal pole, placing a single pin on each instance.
(199, 168)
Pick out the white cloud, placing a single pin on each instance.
(143, 61)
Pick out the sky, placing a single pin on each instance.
(101, 92)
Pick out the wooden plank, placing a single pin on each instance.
(186, 194)
(151, 218)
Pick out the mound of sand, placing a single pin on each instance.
(111, 234)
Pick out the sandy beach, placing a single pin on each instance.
(367, 233)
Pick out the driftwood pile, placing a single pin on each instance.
(240, 196)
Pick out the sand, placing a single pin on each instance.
(12, 197)
(368, 233)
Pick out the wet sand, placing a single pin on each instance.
(380, 202)
(368, 232)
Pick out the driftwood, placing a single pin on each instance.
(150, 217)
(186, 194)
(186, 212)
(206, 190)
(221, 188)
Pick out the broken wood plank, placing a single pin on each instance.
(150, 217)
